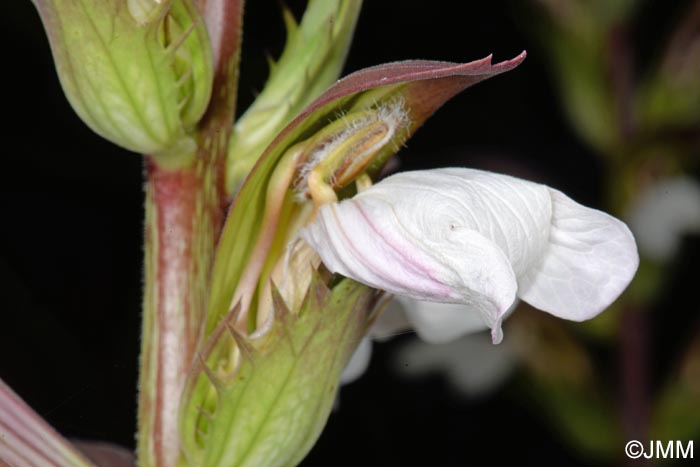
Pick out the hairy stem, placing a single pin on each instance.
(185, 209)
(183, 218)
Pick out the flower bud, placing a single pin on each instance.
(139, 73)
(311, 61)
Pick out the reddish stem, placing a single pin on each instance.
(634, 358)
(182, 224)
(634, 335)
(185, 209)
(621, 66)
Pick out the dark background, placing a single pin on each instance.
(71, 208)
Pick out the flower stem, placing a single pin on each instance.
(634, 358)
(185, 209)
(184, 214)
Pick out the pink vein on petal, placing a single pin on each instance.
(443, 290)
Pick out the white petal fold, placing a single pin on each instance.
(478, 239)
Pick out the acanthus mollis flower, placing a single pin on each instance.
(279, 328)
(137, 72)
(481, 239)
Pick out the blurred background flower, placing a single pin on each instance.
(70, 265)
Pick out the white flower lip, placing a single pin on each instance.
(477, 238)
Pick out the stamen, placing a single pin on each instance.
(338, 158)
